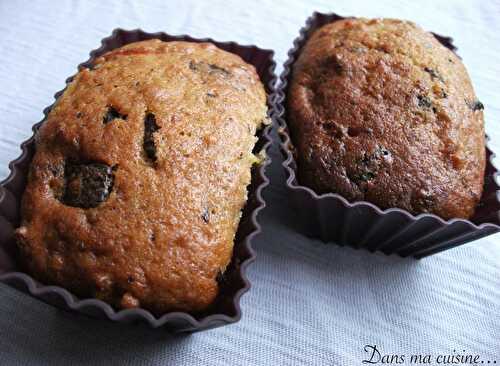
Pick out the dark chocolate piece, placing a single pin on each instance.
(206, 216)
(424, 101)
(365, 177)
(210, 69)
(150, 127)
(475, 105)
(112, 114)
(434, 74)
(217, 69)
(87, 185)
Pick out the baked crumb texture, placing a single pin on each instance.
(380, 111)
(135, 192)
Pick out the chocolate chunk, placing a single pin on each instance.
(217, 69)
(333, 129)
(87, 185)
(424, 101)
(150, 127)
(383, 151)
(193, 65)
(210, 69)
(112, 114)
(364, 171)
(366, 176)
(434, 74)
(206, 216)
(337, 67)
(373, 159)
(475, 105)
(370, 164)
(478, 106)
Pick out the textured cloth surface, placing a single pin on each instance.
(310, 303)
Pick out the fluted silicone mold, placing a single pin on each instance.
(226, 309)
(360, 224)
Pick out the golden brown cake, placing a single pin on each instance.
(380, 111)
(136, 189)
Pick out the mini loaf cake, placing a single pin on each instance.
(140, 174)
(380, 111)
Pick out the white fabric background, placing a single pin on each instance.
(310, 303)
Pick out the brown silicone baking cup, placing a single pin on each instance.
(361, 224)
(226, 308)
